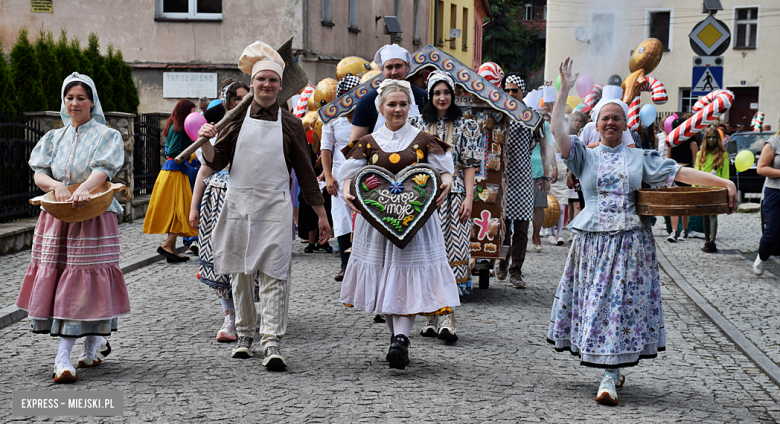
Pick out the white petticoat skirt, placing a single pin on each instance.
(384, 279)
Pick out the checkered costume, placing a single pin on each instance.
(520, 192)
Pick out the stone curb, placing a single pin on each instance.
(12, 314)
(771, 369)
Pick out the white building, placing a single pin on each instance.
(600, 36)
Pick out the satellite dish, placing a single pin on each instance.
(581, 35)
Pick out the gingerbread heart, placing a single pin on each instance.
(397, 205)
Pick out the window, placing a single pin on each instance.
(353, 16)
(746, 22)
(416, 37)
(464, 36)
(189, 9)
(659, 26)
(453, 24)
(327, 13)
(686, 101)
(602, 30)
(529, 12)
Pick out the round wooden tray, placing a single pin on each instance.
(682, 201)
(100, 201)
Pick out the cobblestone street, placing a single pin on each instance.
(170, 368)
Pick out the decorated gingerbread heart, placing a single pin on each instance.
(397, 205)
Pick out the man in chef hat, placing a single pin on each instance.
(252, 234)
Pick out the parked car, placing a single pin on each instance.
(747, 181)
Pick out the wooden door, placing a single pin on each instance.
(741, 112)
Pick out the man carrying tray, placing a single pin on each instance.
(252, 234)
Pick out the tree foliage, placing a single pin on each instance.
(103, 80)
(50, 69)
(119, 90)
(131, 92)
(7, 92)
(511, 43)
(26, 74)
(69, 62)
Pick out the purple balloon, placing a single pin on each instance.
(584, 85)
(192, 124)
(668, 123)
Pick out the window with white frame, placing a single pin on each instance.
(353, 16)
(529, 11)
(746, 24)
(686, 100)
(327, 13)
(659, 26)
(189, 9)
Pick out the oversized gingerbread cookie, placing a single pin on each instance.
(397, 205)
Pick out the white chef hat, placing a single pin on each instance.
(259, 56)
(610, 94)
(532, 99)
(392, 51)
(550, 94)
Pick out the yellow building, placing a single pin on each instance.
(465, 15)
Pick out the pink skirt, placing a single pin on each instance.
(74, 286)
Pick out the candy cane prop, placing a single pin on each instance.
(758, 121)
(303, 101)
(658, 91)
(707, 109)
(592, 98)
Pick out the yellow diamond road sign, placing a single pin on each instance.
(709, 35)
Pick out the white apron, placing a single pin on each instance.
(413, 111)
(253, 230)
(339, 211)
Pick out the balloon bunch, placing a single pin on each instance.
(758, 121)
(707, 109)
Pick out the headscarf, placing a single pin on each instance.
(259, 56)
(438, 76)
(392, 51)
(347, 83)
(402, 84)
(517, 80)
(610, 94)
(223, 95)
(491, 72)
(96, 112)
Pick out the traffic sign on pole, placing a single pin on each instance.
(707, 75)
(710, 37)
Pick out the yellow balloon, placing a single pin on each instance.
(572, 102)
(352, 65)
(368, 75)
(744, 160)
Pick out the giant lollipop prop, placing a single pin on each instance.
(645, 59)
(708, 109)
(592, 98)
(758, 121)
(659, 97)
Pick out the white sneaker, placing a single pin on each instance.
(431, 326)
(684, 234)
(672, 237)
(63, 369)
(758, 266)
(570, 239)
(538, 248)
(560, 241)
(90, 356)
(447, 328)
(607, 394)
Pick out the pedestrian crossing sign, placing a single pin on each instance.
(706, 79)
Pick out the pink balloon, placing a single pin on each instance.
(584, 85)
(192, 124)
(668, 123)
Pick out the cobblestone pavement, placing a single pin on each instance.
(135, 245)
(171, 369)
(727, 280)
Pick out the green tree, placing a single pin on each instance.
(26, 75)
(84, 65)
(130, 90)
(67, 59)
(50, 69)
(116, 68)
(511, 43)
(7, 92)
(103, 80)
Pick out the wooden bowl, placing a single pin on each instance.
(682, 201)
(101, 198)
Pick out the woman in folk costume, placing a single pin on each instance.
(380, 277)
(210, 190)
(607, 309)
(335, 136)
(251, 237)
(442, 117)
(172, 195)
(74, 287)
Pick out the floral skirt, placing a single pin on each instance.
(210, 208)
(456, 237)
(73, 286)
(607, 309)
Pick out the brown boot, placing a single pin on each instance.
(340, 275)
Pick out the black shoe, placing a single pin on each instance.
(340, 275)
(170, 257)
(326, 247)
(194, 249)
(710, 247)
(379, 319)
(310, 248)
(398, 355)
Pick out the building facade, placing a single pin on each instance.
(468, 16)
(601, 35)
(201, 40)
